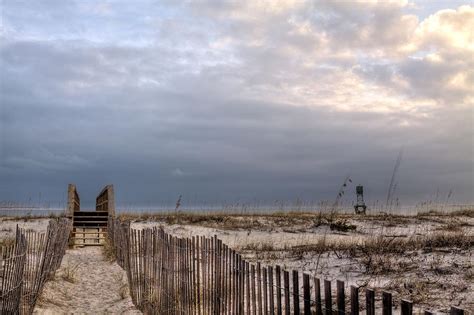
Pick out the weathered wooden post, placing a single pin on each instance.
(73, 201)
(105, 201)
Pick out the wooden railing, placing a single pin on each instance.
(73, 200)
(105, 201)
(201, 275)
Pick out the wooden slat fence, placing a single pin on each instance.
(12, 261)
(44, 255)
(29, 263)
(201, 275)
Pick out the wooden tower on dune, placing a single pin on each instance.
(90, 227)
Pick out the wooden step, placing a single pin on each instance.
(91, 213)
(84, 245)
(87, 225)
(94, 222)
(79, 232)
(82, 239)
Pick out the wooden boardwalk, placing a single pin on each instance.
(90, 227)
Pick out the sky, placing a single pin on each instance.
(238, 101)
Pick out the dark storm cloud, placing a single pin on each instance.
(204, 112)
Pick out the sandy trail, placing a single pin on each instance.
(97, 286)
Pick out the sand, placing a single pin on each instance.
(95, 288)
(8, 225)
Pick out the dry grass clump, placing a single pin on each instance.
(454, 225)
(342, 226)
(465, 212)
(28, 217)
(7, 241)
(122, 286)
(385, 245)
(267, 247)
(469, 275)
(123, 290)
(457, 239)
(380, 255)
(43, 300)
(423, 290)
(69, 273)
(416, 290)
(108, 251)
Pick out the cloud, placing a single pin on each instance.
(178, 172)
(227, 101)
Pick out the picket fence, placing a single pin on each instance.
(201, 275)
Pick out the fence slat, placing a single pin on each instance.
(317, 295)
(259, 289)
(406, 307)
(271, 292)
(354, 300)
(341, 298)
(327, 297)
(306, 295)
(254, 300)
(278, 289)
(386, 303)
(247, 285)
(286, 281)
(456, 311)
(265, 291)
(296, 295)
(370, 301)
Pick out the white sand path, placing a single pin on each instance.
(98, 286)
